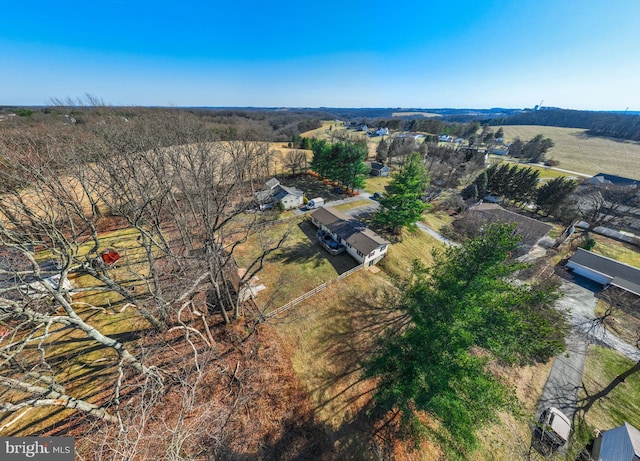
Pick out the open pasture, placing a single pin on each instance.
(576, 151)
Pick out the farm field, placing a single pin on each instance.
(581, 153)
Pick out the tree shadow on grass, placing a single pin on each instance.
(352, 330)
(310, 252)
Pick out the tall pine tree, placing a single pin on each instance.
(403, 207)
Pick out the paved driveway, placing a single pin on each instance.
(565, 379)
(561, 389)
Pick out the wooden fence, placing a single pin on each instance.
(310, 293)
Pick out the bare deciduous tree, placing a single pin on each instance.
(176, 197)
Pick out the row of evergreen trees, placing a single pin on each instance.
(342, 162)
(520, 185)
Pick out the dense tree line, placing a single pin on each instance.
(512, 182)
(253, 124)
(433, 125)
(520, 185)
(609, 124)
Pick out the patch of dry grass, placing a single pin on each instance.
(86, 371)
(401, 254)
(329, 333)
(354, 204)
(620, 251)
(510, 437)
(324, 131)
(436, 220)
(375, 184)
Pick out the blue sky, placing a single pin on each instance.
(580, 54)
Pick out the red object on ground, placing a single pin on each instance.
(110, 257)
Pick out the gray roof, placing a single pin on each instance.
(282, 191)
(352, 231)
(263, 196)
(624, 276)
(604, 178)
(377, 166)
(530, 229)
(273, 182)
(278, 192)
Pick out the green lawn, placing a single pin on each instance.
(546, 173)
(623, 403)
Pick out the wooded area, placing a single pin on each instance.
(162, 331)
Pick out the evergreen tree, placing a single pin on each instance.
(382, 151)
(459, 315)
(481, 185)
(516, 148)
(403, 207)
(553, 195)
(471, 191)
(342, 162)
(320, 163)
(535, 149)
(523, 184)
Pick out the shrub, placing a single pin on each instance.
(588, 244)
(24, 112)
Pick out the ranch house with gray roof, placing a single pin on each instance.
(363, 244)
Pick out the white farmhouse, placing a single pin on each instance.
(289, 197)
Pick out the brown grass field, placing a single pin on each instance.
(581, 153)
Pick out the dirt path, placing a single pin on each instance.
(436, 235)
